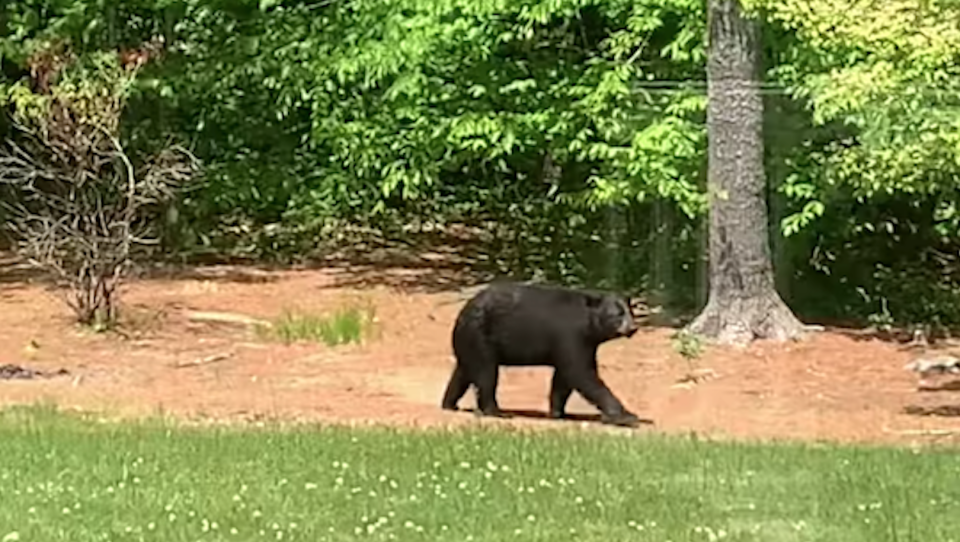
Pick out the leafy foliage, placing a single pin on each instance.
(875, 185)
(570, 132)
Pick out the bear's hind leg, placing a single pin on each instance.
(486, 378)
(479, 362)
(456, 388)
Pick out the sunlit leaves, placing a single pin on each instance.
(384, 97)
(890, 71)
(912, 30)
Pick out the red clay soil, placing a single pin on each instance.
(836, 385)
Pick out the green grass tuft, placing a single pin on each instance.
(76, 479)
(344, 326)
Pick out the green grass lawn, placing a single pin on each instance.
(67, 479)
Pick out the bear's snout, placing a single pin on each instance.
(628, 328)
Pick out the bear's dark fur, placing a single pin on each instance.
(523, 324)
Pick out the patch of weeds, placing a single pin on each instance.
(690, 347)
(345, 325)
(687, 344)
(883, 320)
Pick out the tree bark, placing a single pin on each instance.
(743, 302)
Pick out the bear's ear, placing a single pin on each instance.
(638, 306)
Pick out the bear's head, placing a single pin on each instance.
(614, 315)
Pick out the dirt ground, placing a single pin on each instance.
(837, 385)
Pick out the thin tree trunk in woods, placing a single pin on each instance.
(662, 272)
(743, 303)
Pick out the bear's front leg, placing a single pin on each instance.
(579, 370)
(560, 392)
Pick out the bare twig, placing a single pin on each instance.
(226, 318)
(203, 361)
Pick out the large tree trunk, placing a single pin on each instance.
(743, 302)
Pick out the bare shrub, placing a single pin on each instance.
(83, 206)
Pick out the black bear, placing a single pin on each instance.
(524, 324)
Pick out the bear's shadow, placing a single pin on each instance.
(541, 415)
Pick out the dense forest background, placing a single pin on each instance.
(554, 139)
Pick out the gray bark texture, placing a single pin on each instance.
(743, 302)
